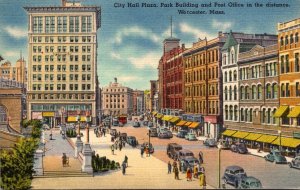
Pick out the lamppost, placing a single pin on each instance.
(62, 111)
(149, 132)
(219, 165)
(279, 134)
(78, 122)
(78, 143)
(88, 119)
(87, 151)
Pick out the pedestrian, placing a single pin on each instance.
(189, 174)
(258, 148)
(120, 145)
(112, 149)
(169, 167)
(104, 132)
(126, 160)
(200, 157)
(147, 150)
(142, 151)
(123, 168)
(201, 170)
(176, 173)
(174, 165)
(202, 180)
(123, 143)
(195, 171)
(116, 145)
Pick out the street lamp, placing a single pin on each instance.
(62, 111)
(78, 121)
(88, 119)
(219, 165)
(279, 134)
(149, 140)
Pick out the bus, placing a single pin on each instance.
(123, 119)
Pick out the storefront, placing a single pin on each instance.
(212, 128)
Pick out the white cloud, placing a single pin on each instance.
(115, 55)
(123, 79)
(16, 32)
(11, 53)
(137, 32)
(222, 26)
(149, 59)
(197, 33)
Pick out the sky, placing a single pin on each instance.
(130, 40)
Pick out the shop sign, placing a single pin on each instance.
(210, 119)
(48, 114)
(37, 115)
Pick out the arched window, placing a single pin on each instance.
(269, 116)
(230, 76)
(281, 41)
(282, 90)
(234, 75)
(296, 38)
(274, 118)
(232, 56)
(274, 91)
(242, 114)
(230, 93)
(235, 93)
(286, 40)
(268, 91)
(225, 76)
(235, 113)
(3, 115)
(246, 115)
(226, 112)
(291, 38)
(259, 92)
(247, 92)
(250, 115)
(213, 73)
(263, 115)
(242, 96)
(224, 59)
(253, 92)
(230, 112)
(226, 93)
(209, 73)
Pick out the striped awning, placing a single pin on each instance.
(194, 125)
(266, 138)
(181, 123)
(288, 142)
(295, 112)
(165, 117)
(253, 136)
(228, 132)
(240, 134)
(74, 118)
(174, 119)
(188, 123)
(154, 113)
(281, 111)
(159, 115)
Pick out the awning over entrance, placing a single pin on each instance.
(288, 142)
(174, 119)
(281, 111)
(181, 123)
(253, 136)
(295, 112)
(165, 117)
(188, 123)
(159, 115)
(154, 112)
(266, 138)
(194, 125)
(73, 118)
(228, 132)
(240, 134)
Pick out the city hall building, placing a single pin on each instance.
(62, 62)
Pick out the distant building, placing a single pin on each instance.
(153, 98)
(147, 100)
(117, 99)
(138, 102)
(17, 72)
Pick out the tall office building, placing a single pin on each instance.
(62, 62)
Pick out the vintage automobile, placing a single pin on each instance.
(224, 144)
(172, 149)
(145, 123)
(150, 124)
(182, 133)
(249, 182)
(276, 157)
(239, 148)
(188, 162)
(233, 175)
(190, 137)
(183, 154)
(113, 132)
(210, 142)
(295, 163)
(153, 132)
(165, 135)
(131, 140)
(136, 124)
(162, 129)
(151, 148)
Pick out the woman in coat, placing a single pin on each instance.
(189, 174)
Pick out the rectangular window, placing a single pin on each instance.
(37, 24)
(282, 64)
(297, 66)
(61, 24)
(297, 89)
(287, 64)
(287, 89)
(49, 24)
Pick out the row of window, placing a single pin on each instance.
(176, 89)
(174, 63)
(60, 97)
(59, 39)
(286, 89)
(38, 49)
(271, 91)
(38, 87)
(61, 68)
(174, 77)
(115, 95)
(199, 59)
(199, 75)
(61, 77)
(114, 100)
(115, 90)
(61, 24)
(114, 106)
(289, 39)
(56, 107)
(200, 107)
(285, 64)
(61, 58)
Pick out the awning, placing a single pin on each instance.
(240, 134)
(228, 132)
(174, 119)
(253, 136)
(188, 123)
(165, 117)
(266, 138)
(194, 125)
(74, 118)
(281, 111)
(154, 112)
(181, 123)
(159, 115)
(288, 142)
(295, 112)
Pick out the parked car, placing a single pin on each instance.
(182, 133)
(233, 175)
(276, 157)
(123, 136)
(295, 163)
(190, 137)
(188, 162)
(172, 149)
(150, 124)
(121, 124)
(131, 140)
(210, 142)
(239, 148)
(250, 182)
(165, 135)
(162, 129)
(224, 144)
(183, 154)
(113, 132)
(153, 132)
(145, 123)
(151, 148)
(136, 124)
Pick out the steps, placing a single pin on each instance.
(58, 174)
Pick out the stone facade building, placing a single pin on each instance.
(18, 72)
(117, 99)
(62, 62)
(154, 90)
(138, 102)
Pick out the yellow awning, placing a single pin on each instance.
(174, 119)
(281, 111)
(194, 125)
(266, 138)
(74, 118)
(159, 115)
(253, 136)
(295, 112)
(228, 132)
(188, 123)
(154, 112)
(288, 142)
(240, 134)
(181, 123)
(165, 117)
